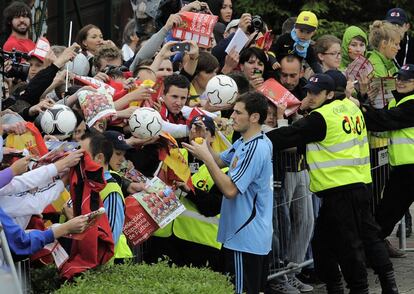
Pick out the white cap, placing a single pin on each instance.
(232, 24)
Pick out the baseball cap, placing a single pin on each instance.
(118, 140)
(232, 24)
(406, 72)
(319, 82)
(339, 79)
(34, 54)
(307, 20)
(396, 16)
(207, 121)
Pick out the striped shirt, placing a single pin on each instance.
(114, 207)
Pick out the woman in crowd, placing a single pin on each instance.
(354, 44)
(130, 41)
(254, 64)
(328, 50)
(384, 38)
(224, 10)
(90, 38)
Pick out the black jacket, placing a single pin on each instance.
(400, 117)
(406, 52)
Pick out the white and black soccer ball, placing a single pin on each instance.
(58, 120)
(221, 90)
(145, 122)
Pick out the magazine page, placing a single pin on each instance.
(59, 150)
(138, 225)
(278, 94)
(360, 66)
(385, 86)
(197, 27)
(160, 202)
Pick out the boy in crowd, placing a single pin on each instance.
(101, 150)
(298, 41)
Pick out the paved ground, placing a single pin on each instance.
(404, 271)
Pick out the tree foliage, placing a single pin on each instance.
(334, 15)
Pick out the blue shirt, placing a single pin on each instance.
(114, 207)
(20, 242)
(246, 220)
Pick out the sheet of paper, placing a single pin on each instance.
(238, 42)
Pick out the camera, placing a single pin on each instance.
(182, 47)
(18, 70)
(257, 24)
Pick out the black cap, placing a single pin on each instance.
(118, 140)
(207, 121)
(339, 79)
(319, 82)
(406, 72)
(396, 16)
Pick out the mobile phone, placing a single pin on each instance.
(181, 47)
(257, 72)
(94, 214)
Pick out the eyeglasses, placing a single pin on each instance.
(404, 80)
(335, 54)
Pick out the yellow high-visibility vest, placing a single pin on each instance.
(401, 142)
(191, 225)
(342, 158)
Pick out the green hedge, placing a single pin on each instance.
(142, 278)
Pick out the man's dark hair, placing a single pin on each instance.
(254, 102)
(206, 62)
(15, 9)
(98, 143)
(290, 58)
(243, 84)
(177, 80)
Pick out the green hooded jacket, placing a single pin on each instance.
(350, 33)
(383, 67)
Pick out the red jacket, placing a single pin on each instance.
(96, 246)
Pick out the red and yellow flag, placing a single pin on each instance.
(174, 164)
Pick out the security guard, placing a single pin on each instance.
(337, 153)
(192, 237)
(398, 123)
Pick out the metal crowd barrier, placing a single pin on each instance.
(284, 249)
(380, 174)
(9, 280)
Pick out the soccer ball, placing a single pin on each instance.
(145, 122)
(221, 90)
(58, 120)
